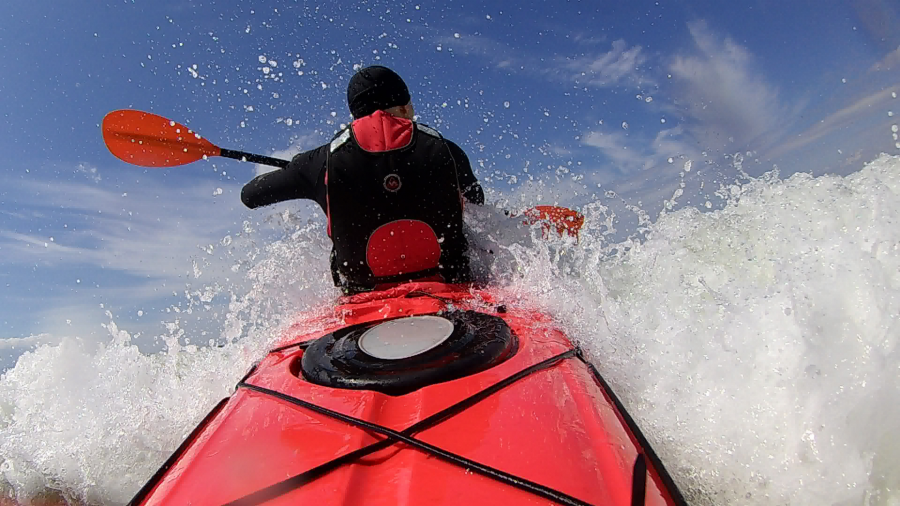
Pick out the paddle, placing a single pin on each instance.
(564, 219)
(149, 140)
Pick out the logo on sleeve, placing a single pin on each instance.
(392, 182)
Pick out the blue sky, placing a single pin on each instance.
(578, 94)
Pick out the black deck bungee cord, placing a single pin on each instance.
(393, 437)
(647, 450)
(151, 483)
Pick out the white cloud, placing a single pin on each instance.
(589, 39)
(860, 109)
(725, 103)
(136, 232)
(891, 61)
(721, 90)
(17, 343)
(77, 245)
(615, 146)
(619, 66)
(630, 154)
(299, 144)
(501, 55)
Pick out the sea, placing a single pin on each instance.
(754, 340)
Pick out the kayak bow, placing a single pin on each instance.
(426, 393)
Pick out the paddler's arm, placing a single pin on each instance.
(303, 178)
(469, 185)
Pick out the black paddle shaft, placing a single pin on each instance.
(250, 157)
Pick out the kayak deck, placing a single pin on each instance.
(538, 428)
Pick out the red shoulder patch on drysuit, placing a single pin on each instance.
(402, 247)
(381, 131)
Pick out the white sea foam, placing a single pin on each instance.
(90, 423)
(756, 346)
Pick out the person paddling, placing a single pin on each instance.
(392, 190)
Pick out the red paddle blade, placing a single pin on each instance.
(149, 140)
(565, 221)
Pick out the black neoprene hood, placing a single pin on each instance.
(375, 88)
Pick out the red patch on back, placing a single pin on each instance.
(381, 131)
(401, 247)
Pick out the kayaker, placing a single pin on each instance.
(392, 190)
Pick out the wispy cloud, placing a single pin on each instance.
(717, 101)
(588, 39)
(95, 239)
(723, 92)
(860, 109)
(615, 146)
(499, 54)
(27, 342)
(710, 99)
(629, 154)
(620, 65)
(134, 232)
(300, 143)
(890, 61)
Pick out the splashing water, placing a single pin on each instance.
(755, 345)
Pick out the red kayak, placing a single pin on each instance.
(426, 393)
